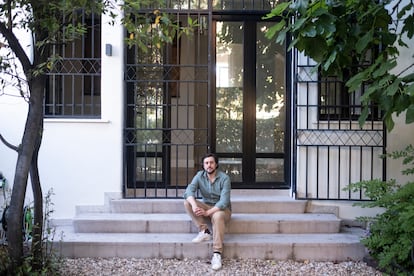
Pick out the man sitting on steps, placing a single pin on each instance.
(214, 186)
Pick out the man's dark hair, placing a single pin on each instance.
(210, 155)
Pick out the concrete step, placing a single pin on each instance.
(181, 223)
(319, 247)
(240, 204)
(264, 226)
(179, 192)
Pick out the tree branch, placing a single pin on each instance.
(405, 69)
(16, 47)
(8, 144)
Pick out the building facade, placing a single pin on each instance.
(135, 123)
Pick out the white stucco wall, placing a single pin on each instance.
(402, 134)
(82, 159)
(13, 111)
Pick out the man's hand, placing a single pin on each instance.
(205, 213)
(199, 211)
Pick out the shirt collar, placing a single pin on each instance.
(206, 175)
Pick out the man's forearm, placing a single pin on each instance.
(192, 201)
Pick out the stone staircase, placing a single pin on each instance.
(262, 226)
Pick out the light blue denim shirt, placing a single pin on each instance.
(217, 193)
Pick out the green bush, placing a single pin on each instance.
(50, 261)
(390, 239)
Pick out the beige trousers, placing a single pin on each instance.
(218, 220)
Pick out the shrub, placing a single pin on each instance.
(49, 261)
(391, 233)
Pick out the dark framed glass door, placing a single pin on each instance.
(167, 113)
(250, 104)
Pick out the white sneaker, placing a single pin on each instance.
(202, 236)
(216, 261)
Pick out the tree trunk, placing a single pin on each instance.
(31, 135)
(38, 206)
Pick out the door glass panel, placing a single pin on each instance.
(250, 104)
(270, 93)
(233, 168)
(149, 169)
(148, 118)
(229, 86)
(269, 170)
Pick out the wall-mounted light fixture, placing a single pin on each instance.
(108, 49)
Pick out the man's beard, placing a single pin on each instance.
(210, 172)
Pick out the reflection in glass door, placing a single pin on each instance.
(250, 105)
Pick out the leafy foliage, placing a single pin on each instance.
(54, 20)
(50, 260)
(358, 41)
(153, 27)
(391, 236)
(49, 21)
(407, 156)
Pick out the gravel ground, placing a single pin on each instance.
(126, 267)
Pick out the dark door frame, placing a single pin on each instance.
(249, 111)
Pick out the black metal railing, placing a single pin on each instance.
(331, 149)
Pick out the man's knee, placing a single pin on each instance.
(219, 216)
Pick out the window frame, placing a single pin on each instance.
(73, 88)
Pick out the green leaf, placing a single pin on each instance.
(355, 82)
(300, 5)
(309, 31)
(271, 32)
(364, 41)
(281, 37)
(318, 51)
(325, 25)
(365, 98)
(403, 11)
(385, 81)
(393, 88)
(330, 60)
(408, 26)
(364, 115)
(299, 24)
(293, 44)
(384, 68)
(409, 117)
(388, 39)
(389, 122)
(409, 89)
(320, 12)
(278, 10)
(408, 78)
